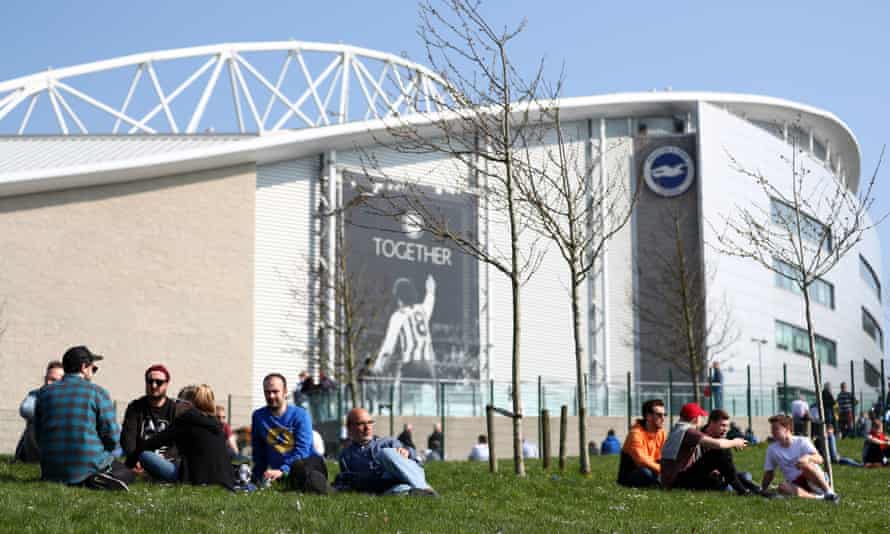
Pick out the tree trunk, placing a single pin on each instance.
(579, 376)
(817, 381)
(685, 302)
(518, 460)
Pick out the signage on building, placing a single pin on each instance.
(668, 170)
(426, 321)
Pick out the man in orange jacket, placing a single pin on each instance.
(641, 454)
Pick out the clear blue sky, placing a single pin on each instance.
(830, 55)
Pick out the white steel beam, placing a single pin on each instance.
(104, 107)
(59, 118)
(246, 90)
(281, 75)
(205, 96)
(182, 87)
(235, 96)
(130, 91)
(308, 78)
(160, 92)
(27, 116)
(305, 94)
(70, 111)
(344, 90)
(275, 92)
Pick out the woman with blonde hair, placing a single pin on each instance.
(201, 441)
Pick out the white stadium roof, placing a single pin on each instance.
(323, 97)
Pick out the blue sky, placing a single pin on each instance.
(827, 54)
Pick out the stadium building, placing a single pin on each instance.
(171, 207)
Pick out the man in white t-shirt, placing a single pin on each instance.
(479, 452)
(799, 461)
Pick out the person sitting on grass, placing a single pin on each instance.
(281, 442)
(378, 465)
(27, 450)
(610, 444)
(148, 416)
(832, 453)
(799, 461)
(640, 462)
(479, 452)
(691, 459)
(877, 447)
(720, 427)
(76, 429)
(199, 437)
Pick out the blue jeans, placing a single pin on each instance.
(159, 467)
(641, 477)
(407, 472)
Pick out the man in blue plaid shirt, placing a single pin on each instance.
(76, 428)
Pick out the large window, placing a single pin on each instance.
(872, 375)
(795, 339)
(868, 274)
(872, 329)
(820, 290)
(813, 231)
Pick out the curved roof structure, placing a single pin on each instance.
(323, 97)
(315, 84)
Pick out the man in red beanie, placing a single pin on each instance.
(685, 462)
(149, 415)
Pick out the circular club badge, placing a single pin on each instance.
(668, 171)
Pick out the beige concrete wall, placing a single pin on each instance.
(152, 271)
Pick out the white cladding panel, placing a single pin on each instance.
(286, 195)
(750, 289)
(621, 262)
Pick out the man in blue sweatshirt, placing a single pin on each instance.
(282, 442)
(378, 465)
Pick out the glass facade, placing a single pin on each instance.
(868, 274)
(795, 339)
(813, 231)
(820, 290)
(870, 326)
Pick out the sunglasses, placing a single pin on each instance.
(155, 382)
(363, 423)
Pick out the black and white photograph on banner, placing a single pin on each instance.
(428, 325)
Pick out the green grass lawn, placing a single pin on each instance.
(472, 501)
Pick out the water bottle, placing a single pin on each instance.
(243, 474)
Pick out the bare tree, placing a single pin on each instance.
(486, 109)
(356, 301)
(677, 324)
(810, 225)
(578, 215)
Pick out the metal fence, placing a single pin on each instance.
(468, 398)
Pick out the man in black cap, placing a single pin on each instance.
(76, 428)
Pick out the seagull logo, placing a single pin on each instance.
(669, 171)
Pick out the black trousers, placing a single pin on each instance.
(300, 469)
(700, 475)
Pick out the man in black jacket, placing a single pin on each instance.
(148, 416)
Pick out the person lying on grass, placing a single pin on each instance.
(691, 459)
(799, 461)
(378, 465)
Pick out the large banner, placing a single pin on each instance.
(427, 323)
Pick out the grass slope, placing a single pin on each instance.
(472, 501)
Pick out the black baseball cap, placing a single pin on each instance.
(76, 357)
